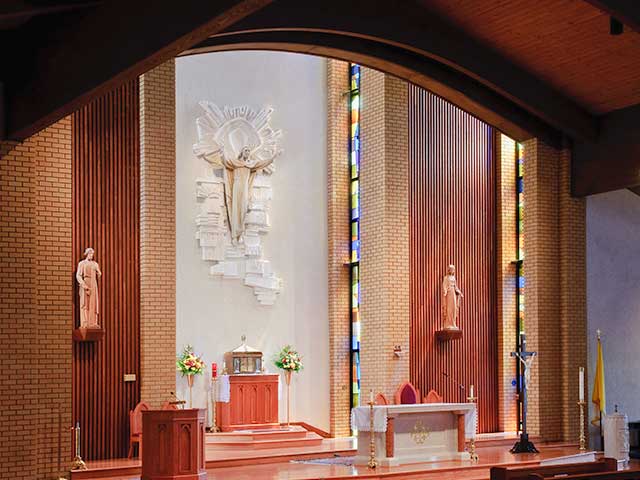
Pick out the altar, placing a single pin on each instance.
(424, 432)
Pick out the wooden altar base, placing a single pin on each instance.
(274, 465)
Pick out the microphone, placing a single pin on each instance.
(455, 382)
(177, 400)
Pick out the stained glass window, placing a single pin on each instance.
(520, 278)
(354, 195)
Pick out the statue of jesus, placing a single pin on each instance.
(87, 277)
(238, 180)
(451, 296)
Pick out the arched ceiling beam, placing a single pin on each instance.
(440, 79)
(57, 67)
(411, 27)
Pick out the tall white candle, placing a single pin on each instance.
(471, 391)
(581, 376)
(371, 396)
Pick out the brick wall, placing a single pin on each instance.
(506, 279)
(384, 264)
(157, 234)
(36, 279)
(555, 301)
(339, 237)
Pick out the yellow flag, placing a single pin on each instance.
(598, 396)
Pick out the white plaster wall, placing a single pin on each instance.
(213, 313)
(613, 296)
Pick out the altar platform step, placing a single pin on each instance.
(283, 437)
(501, 439)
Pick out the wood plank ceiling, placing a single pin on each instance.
(564, 43)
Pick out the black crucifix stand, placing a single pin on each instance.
(524, 445)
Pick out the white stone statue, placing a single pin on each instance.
(451, 296)
(87, 276)
(239, 148)
(242, 145)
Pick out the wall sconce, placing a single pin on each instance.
(397, 350)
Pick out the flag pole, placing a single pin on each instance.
(600, 413)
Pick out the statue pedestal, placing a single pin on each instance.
(88, 334)
(173, 444)
(447, 334)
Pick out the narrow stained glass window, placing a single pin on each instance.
(354, 195)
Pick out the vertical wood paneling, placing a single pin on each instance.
(106, 185)
(452, 220)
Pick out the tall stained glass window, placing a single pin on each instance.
(354, 263)
(520, 278)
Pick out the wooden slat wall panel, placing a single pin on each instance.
(106, 185)
(452, 220)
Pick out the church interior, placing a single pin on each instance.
(299, 240)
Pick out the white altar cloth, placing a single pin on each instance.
(421, 432)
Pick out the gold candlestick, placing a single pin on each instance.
(582, 438)
(372, 436)
(472, 441)
(214, 392)
(78, 463)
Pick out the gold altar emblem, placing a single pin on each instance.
(420, 433)
(243, 359)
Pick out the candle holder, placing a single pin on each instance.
(473, 456)
(582, 438)
(372, 442)
(214, 400)
(78, 463)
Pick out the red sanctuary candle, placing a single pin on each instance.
(214, 370)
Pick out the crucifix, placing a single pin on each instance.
(524, 445)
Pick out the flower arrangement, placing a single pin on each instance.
(288, 359)
(189, 363)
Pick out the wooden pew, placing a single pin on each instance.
(524, 473)
(621, 475)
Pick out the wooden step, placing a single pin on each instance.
(294, 432)
(309, 439)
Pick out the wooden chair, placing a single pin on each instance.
(380, 399)
(433, 397)
(407, 394)
(525, 473)
(135, 428)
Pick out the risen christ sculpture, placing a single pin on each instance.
(87, 277)
(451, 295)
(238, 181)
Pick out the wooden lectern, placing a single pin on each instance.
(174, 443)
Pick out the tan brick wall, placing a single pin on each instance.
(339, 236)
(555, 320)
(157, 234)
(384, 264)
(36, 290)
(506, 281)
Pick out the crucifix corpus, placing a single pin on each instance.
(526, 358)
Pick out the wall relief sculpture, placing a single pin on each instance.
(240, 148)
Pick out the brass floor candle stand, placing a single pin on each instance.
(372, 442)
(214, 400)
(582, 438)
(472, 441)
(78, 463)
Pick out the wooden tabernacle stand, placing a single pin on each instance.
(253, 403)
(174, 443)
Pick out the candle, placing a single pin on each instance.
(581, 377)
(471, 391)
(371, 396)
(214, 370)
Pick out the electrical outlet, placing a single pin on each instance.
(129, 377)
